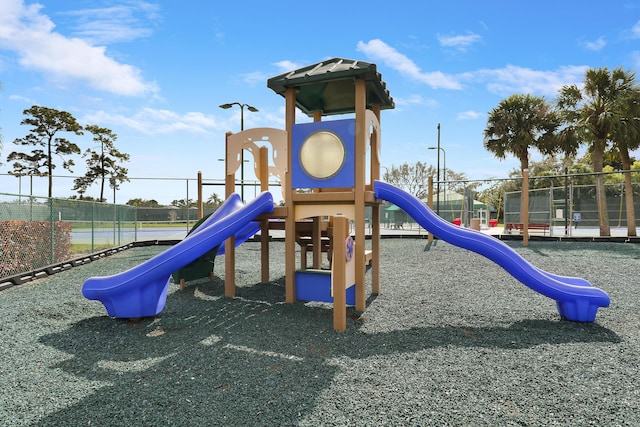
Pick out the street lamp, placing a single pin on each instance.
(444, 172)
(253, 110)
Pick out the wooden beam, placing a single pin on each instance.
(229, 244)
(290, 221)
(324, 197)
(200, 201)
(263, 166)
(360, 161)
(339, 277)
(375, 213)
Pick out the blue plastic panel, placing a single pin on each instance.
(315, 285)
(345, 177)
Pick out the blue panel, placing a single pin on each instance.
(315, 285)
(345, 177)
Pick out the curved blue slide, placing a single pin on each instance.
(142, 290)
(577, 300)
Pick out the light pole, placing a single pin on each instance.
(253, 110)
(444, 173)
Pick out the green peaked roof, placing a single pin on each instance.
(329, 87)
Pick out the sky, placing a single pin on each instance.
(155, 73)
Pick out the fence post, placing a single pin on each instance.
(93, 227)
(524, 214)
(551, 209)
(135, 223)
(200, 201)
(118, 215)
(566, 201)
(186, 205)
(114, 224)
(430, 202)
(51, 233)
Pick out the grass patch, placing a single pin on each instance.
(87, 248)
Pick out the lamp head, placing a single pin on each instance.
(252, 109)
(225, 106)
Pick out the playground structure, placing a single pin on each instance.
(329, 172)
(335, 164)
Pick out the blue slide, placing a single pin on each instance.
(576, 298)
(142, 290)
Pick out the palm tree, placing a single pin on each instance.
(599, 109)
(627, 139)
(518, 124)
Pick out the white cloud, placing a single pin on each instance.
(415, 100)
(287, 65)
(469, 115)
(155, 122)
(635, 31)
(513, 79)
(596, 45)
(459, 42)
(114, 24)
(379, 50)
(254, 78)
(635, 56)
(22, 99)
(501, 81)
(30, 34)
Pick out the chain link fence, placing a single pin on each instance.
(572, 209)
(38, 231)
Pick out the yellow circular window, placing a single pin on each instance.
(322, 155)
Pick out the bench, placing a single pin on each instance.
(510, 226)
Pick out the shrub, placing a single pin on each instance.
(26, 245)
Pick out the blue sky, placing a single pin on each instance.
(155, 72)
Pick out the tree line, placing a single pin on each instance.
(602, 113)
(104, 162)
(47, 136)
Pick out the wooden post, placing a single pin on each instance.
(339, 278)
(263, 166)
(360, 160)
(375, 211)
(316, 233)
(263, 176)
(316, 239)
(430, 202)
(229, 244)
(525, 207)
(290, 220)
(200, 201)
